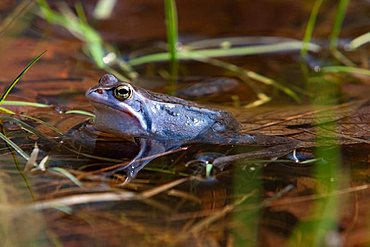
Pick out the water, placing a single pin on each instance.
(179, 198)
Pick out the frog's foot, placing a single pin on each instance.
(130, 170)
(300, 156)
(202, 164)
(134, 167)
(149, 150)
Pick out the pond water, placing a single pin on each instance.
(188, 195)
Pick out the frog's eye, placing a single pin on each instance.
(123, 92)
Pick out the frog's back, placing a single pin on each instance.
(166, 99)
(228, 121)
(187, 120)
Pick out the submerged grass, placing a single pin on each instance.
(14, 146)
(66, 174)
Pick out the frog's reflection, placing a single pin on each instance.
(86, 139)
(141, 150)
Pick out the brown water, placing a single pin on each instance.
(172, 202)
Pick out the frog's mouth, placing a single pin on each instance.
(99, 106)
(115, 109)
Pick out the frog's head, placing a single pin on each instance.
(119, 107)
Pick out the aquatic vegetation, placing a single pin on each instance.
(56, 172)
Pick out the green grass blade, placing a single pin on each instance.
(11, 86)
(238, 41)
(310, 26)
(78, 28)
(94, 46)
(14, 146)
(23, 125)
(67, 174)
(81, 112)
(24, 103)
(172, 40)
(15, 16)
(359, 41)
(6, 110)
(80, 12)
(186, 54)
(46, 124)
(345, 69)
(206, 56)
(104, 8)
(241, 72)
(171, 23)
(338, 55)
(16, 163)
(341, 11)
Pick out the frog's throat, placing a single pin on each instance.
(123, 110)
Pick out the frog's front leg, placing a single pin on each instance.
(149, 150)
